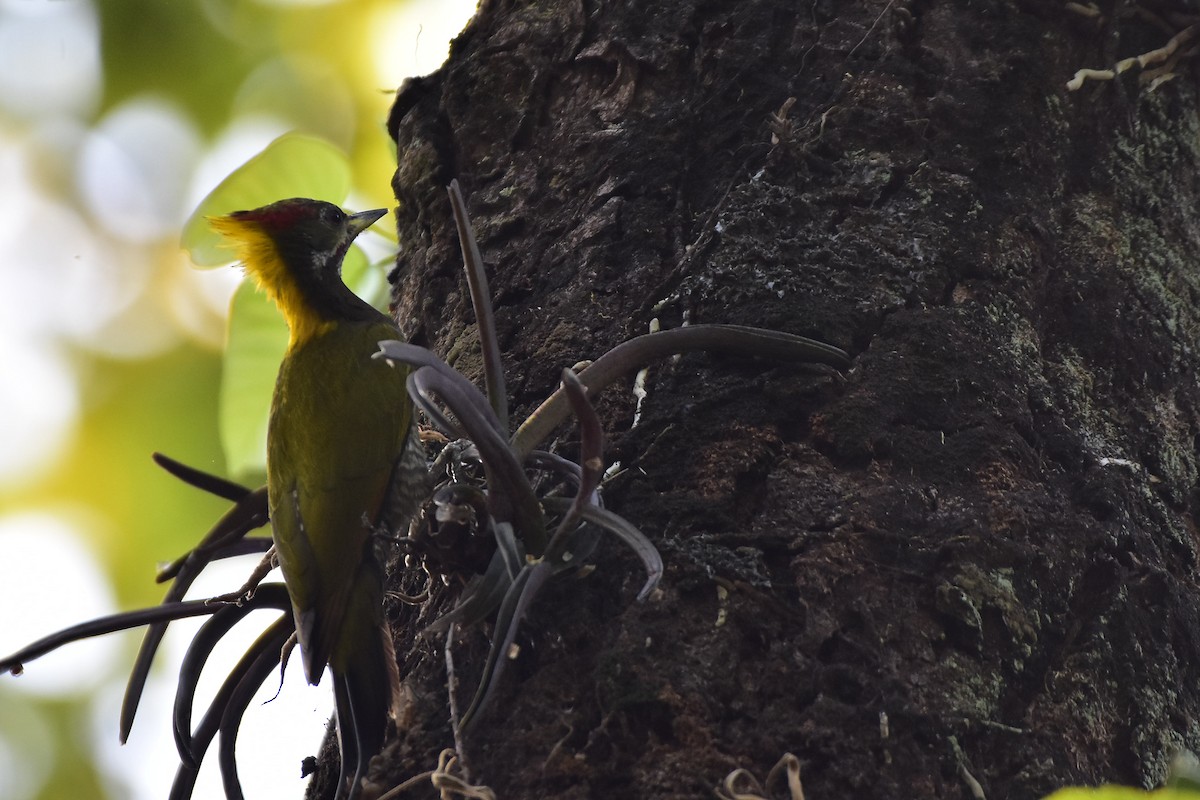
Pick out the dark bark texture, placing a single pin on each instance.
(983, 533)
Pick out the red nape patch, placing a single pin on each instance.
(282, 214)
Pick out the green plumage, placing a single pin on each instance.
(337, 440)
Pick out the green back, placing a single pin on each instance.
(339, 424)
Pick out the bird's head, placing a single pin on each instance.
(294, 249)
(306, 236)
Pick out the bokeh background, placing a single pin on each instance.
(116, 118)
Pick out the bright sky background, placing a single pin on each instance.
(102, 319)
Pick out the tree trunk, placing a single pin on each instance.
(971, 558)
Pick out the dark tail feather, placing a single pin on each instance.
(364, 698)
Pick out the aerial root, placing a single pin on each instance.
(444, 780)
(1165, 59)
(742, 785)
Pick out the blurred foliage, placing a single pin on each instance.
(1123, 793)
(258, 338)
(142, 332)
(180, 53)
(133, 408)
(306, 63)
(293, 165)
(1183, 783)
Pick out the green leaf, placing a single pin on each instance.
(293, 165)
(368, 281)
(1098, 793)
(258, 338)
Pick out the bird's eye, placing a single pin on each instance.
(332, 215)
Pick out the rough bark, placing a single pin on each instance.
(984, 530)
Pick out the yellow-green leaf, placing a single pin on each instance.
(256, 343)
(1121, 793)
(368, 281)
(294, 165)
(258, 338)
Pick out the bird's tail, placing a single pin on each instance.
(366, 687)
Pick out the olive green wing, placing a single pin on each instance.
(339, 426)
